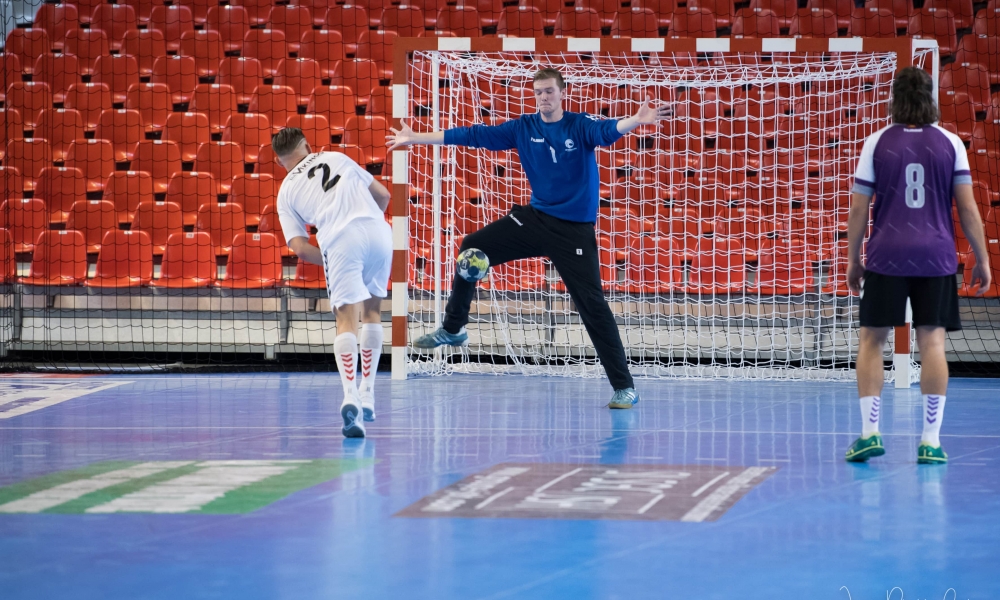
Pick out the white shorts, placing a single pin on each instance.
(358, 262)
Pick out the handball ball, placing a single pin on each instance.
(473, 265)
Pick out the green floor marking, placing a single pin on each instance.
(81, 504)
(26, 488)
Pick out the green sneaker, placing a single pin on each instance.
(864, 448)
(930, 455)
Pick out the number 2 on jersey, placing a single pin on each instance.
(914, 185)
(327, 182)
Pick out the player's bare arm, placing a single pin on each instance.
(972, 226)
(306, 251)
(648, 114)
(380, 194)
(857, 224)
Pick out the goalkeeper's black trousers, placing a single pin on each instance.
(572, 248)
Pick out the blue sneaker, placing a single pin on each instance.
(626, 398)
(440, 337)
(354, 426)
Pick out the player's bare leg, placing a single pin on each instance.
(871, 375)
(346, 349)
(934, 387)
(370, 340)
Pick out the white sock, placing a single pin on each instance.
(371, 351)
(345, 346)
(933, 415)
(870, 408)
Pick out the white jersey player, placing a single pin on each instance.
(346, 204)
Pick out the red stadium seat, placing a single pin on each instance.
(60, 188)
(11, 128)
(350, 20)
(578, 21)
(12, 185)
(961, 10)
(783, 9)
(25, 219)
(783, 271)
(114, 20)
(56, 20)
(653, 265)
(152, 100)
(758, 24)
(549, 9)
(159, 158)
(10, 71)
(143, 10)
(191, 190)
(718, 267)
(325, 46)
(973, 79)
(520, 21)
(243, 74)
(607, 9)
(199, 9)
(90, 99)
(59, 258)
(873, 22)
(300, 74)
(29, 98)
(982, 50)
(29, 156)
(92, 218)
(254, 263)
(96, 158)
(125, 261)
(517, 276)
(257, 10)
(293, 21)
(86, 9)
(368, 133)
(231, 22)
(380, 103)
(224, 160)
(126, 189)
(250, 131)
(8, 260)
(336, 102)
(268, 46)
(462, 20)
(405, 19)
(693, 22)
(119, 73)
(277, 102)
(86, 45)
(145, 45)
(206, 49)
(317, 8)
(377, 46)
(307, 275)
(217, 102)
(987, 23)
(841, 8)
(188, 262)
(936, 24)
(722, 10)
(123, 128)
(358, 74)
(489, 10)
(27, 45)
(635, 22)
(159, 220)
(180, 75)
(267, 164)
(173, 22)
(189, 130)
(254, 191)
(814, 22)
(60, 126)
(223, 222)
(315, 127)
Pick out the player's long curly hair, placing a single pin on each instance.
(913, 98)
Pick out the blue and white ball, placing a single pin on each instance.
(473, 265)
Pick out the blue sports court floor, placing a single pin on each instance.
(241, 486)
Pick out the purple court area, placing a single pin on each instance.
(476, 487)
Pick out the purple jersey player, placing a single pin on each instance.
(913, 168)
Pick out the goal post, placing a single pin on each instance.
(722, 232)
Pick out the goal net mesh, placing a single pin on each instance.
(722, 231)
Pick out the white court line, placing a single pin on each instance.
(493, 497)
(650, 504)
(557, 480)
(721, 494)
(708, 485)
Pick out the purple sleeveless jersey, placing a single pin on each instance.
(912, 172)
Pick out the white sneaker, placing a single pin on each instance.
(350, 410)
(368, 405)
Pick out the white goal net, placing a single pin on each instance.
(722, 231)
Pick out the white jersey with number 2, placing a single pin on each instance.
(328, 190)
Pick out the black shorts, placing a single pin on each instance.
(934, 301)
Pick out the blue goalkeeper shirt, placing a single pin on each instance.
(558, 158)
